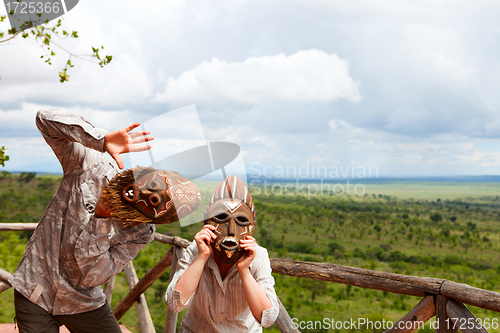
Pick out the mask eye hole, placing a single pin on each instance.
(221, 217)
(242, 220)
(153, 185)
(154, 200)
(129, 193)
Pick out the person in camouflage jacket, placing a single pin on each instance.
(74, 249)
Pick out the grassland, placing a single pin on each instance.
(444, 230)
(433, 190)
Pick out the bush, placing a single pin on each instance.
(358, 253)
(301, 247)
(399, 266)
(334, 246)
(396, 256)
(375, 252)
(436, 217)
(453, 260)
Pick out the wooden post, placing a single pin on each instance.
(417, 317)
(143, 284)
(171, 318)
(108, 289)
(466, 321)
(284, 322)
(141, 306)
(444, 324)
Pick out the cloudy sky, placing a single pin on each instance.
(407, 87)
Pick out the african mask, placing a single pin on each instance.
(232, 212)
(147, 195)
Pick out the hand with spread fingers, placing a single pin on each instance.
(203, 239)
(121, 142)
(247, 244)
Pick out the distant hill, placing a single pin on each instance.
(39, 168)
(478, 179)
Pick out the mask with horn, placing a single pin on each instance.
(232, 212)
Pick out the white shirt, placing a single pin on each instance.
(220, 305)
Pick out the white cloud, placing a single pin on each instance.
(305, 76)
(123, 82)
(271, 75)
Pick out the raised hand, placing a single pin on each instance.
(247, 244)
(121, 142)
(203, 239)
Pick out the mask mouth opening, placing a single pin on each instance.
(229, 244)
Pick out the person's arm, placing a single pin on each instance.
(188, 282)
(258, 301)
(62, 131)
(121, 142)
(68, 134)
(100, 257)
(186, 279)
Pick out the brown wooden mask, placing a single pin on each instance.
(232, 212)
(147, 195)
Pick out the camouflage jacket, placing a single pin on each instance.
(72, 253)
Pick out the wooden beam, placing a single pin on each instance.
(463, 318)
(364, 278)
(172, 240)
(143, 284)
(141, 306)
(416, 318)
(464, 293)
(394, 283)
(17, 226)
(444, 324)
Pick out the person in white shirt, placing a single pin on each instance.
(224, 277)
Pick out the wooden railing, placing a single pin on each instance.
(441, 298)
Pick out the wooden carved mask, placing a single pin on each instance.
(148, 195)
(232, 212)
